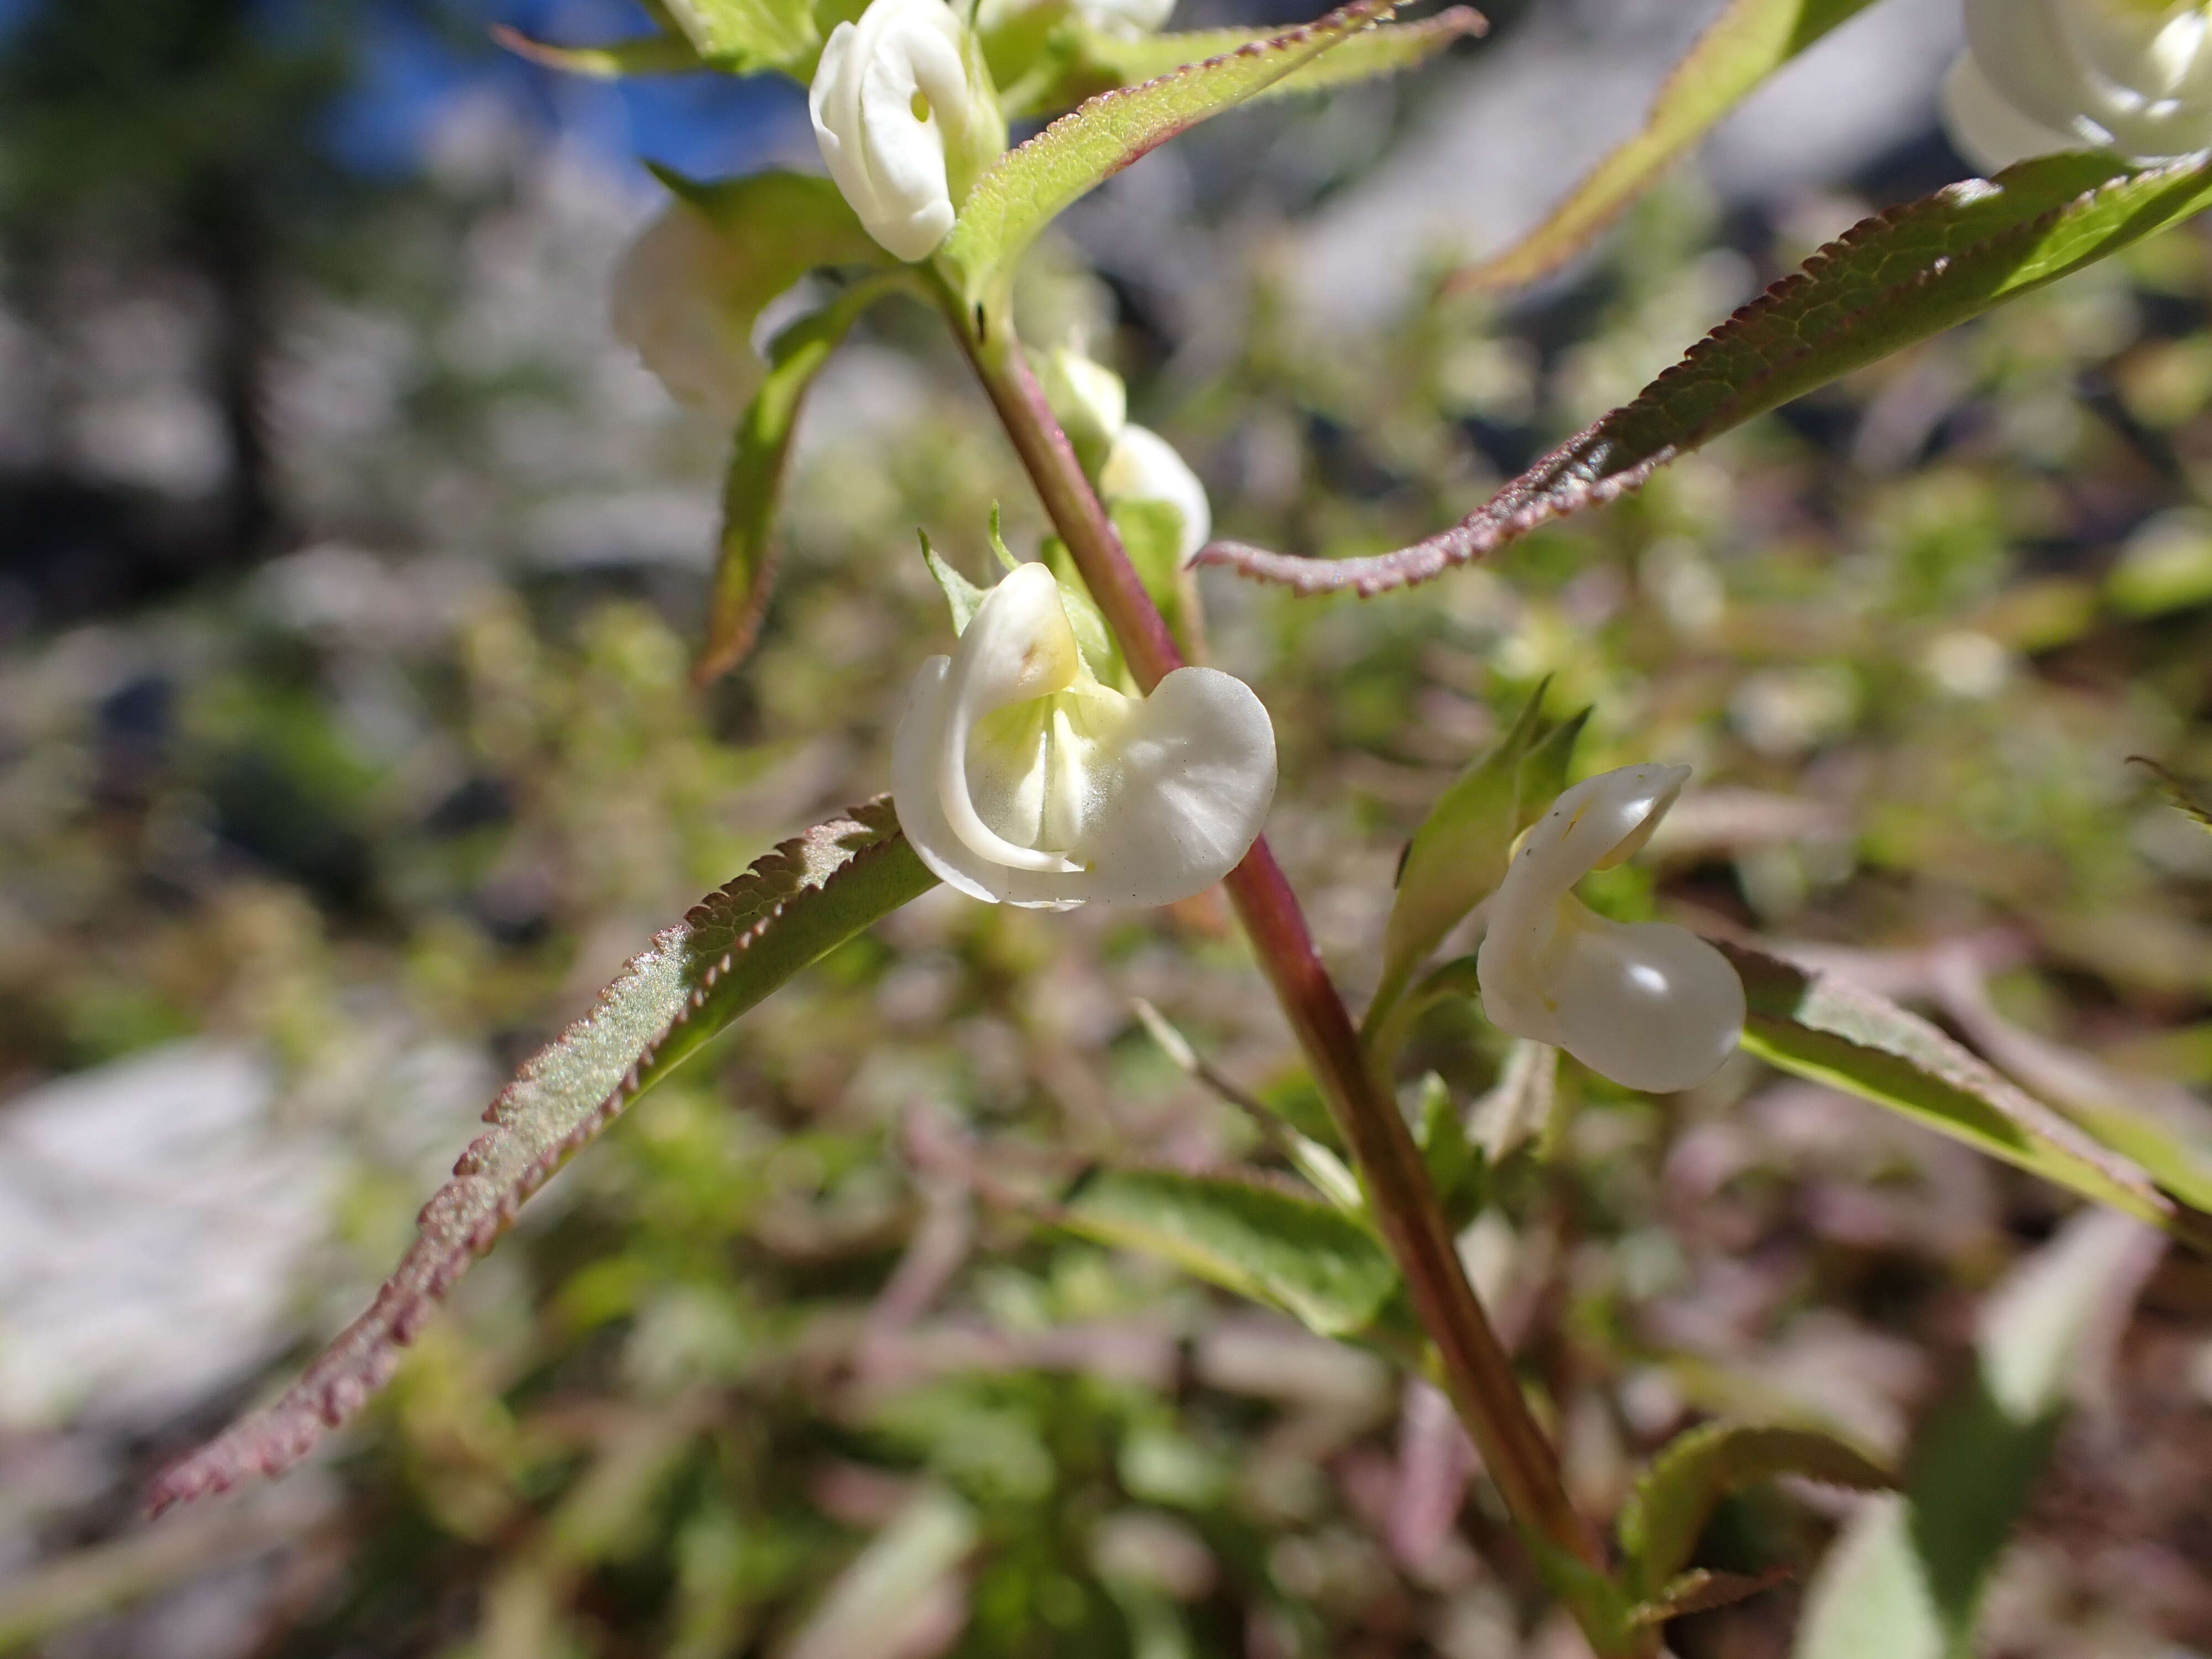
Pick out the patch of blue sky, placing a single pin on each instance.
(416, 66)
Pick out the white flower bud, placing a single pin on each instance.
(682, 300)
(1143, 466)
(1647, 1003)
(1087, 399)
(2134, 77)
(1020, 778)
(898, 116)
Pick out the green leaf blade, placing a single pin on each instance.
(809, 895)
(746, 36)
(1247, 1236)
(1742, 47)
(1889, 283)
(745, 559)
(1102, 60)
(1823, 1027)
(1032, 184)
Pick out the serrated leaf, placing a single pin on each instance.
(1671, 1504)
(745, 564)
(1247, 1236)
(1083, 60)
(808, 896)
(1824, 1028)
(1742, 47)
(651, 54)
(1458, 856)
(1906, 1580)
(1891, 281)
(1032, 185)
(746, 36)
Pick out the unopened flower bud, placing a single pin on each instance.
(1019, 778)
(1647, 1003)
(2134, 77)
(1087, 399)
(903, 120)
(1143, 466)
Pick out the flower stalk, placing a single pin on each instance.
(1473, 1363)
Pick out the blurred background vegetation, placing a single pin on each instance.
(348, 579)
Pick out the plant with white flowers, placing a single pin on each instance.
(1646, 1003)
(1067, 752)
(2133, 76)
(1021, 779)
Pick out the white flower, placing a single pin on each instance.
(2134, 77)
(1143, 466)
(1018, 778)
(682, 299)
(899, 119)
(1649, 1004)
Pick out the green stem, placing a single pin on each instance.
(1475, 1366)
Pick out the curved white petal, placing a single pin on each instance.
(1649, 1004)
(1195, 777)
(1019, 779)
(671, 302)
(2116, 74)
(887, 92)
(1986, 129)
(1143, 466)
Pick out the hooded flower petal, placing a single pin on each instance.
(1019, 778)
(1143, 466)
(1649, 1004)
(680, 300)
(2129, 76)
(890, 97)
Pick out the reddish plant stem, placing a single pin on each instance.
(1476, 1370)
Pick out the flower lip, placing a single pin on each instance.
(1646, 1003)
(1019, 778)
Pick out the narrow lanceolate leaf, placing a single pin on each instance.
(1671, 1504)
(1032, 185)
(1890, 280)
(745, 566)
(651, 54)
(1830, 1030)
(1258, 1240)
(1099, 60)
(809, 895)
(1745, 44)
